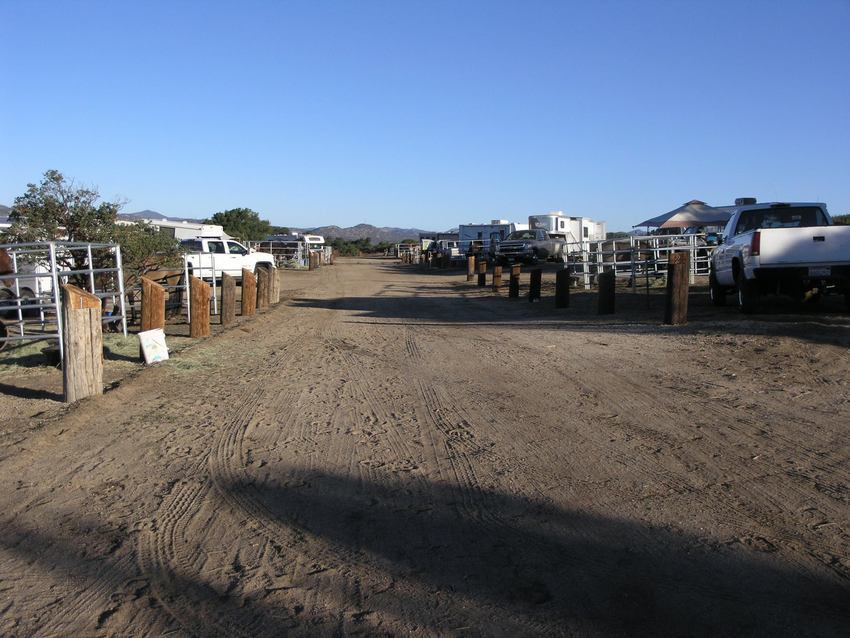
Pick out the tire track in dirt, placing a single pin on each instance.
(749, 483)
(158, 551)
(88, 603)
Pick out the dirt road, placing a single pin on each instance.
(399, 452)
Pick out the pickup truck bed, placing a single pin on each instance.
(791, 249)
(804, 246)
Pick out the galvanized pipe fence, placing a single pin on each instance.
(32, 303)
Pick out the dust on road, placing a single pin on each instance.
(399, 452)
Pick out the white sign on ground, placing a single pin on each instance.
(153, 345)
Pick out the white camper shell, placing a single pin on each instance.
(575, 231)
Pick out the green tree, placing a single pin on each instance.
(56, 210)
(144, 249)
(242, 223)
(841, 220)
(279, 230)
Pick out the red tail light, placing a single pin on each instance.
(755, 245)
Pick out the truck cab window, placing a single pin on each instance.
(236, 249)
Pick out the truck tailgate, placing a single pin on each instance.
(805, 246)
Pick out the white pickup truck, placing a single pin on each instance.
(205, 255)
(791, 249)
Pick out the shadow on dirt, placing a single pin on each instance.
(23, 392)
(508, 565)
(92, 557)
(488, 561)
(635, 313)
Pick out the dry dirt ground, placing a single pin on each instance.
(392, 451)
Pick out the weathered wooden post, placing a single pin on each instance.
(263, 285)
(482, 273)
(513, 286)
(249, 293)
(82, 344)
(606, 292)
(228, 300)
(312, 261)
(470, 268)
(199, 297)
(275, 289)
(153, 305)
(562, 289)
(676, 308)
(535, 284)
(497, 278)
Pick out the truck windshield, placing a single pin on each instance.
(522, 234)
(785, 217)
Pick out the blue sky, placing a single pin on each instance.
(428, 114)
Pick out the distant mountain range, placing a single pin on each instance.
(361, 231)
(374, 233)
(152, 214)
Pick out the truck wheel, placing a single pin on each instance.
(748, 294)
(715, 291)
(28, 297)
(7, 299)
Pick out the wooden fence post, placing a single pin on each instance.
(482, 273)
(82, 344)
(606, 292)
(199, 297)
(562, 289)
(153, 305)
(535, 284)
(497, 278)
(263, 284)
(275, 289)
(676, 308)
(228, 300)
(513, 286)
(249, 293)
(470, 268)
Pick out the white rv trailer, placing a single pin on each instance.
(485, 237)
(573, 230)
(180, 229)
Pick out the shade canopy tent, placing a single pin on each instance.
(694, 213)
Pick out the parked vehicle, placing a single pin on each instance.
(575, 231)
(530, 246)
(212, 256)
(781, 248)
(447, 248)
(482, 239)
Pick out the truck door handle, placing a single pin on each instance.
(819, 238)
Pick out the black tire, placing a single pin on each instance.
(748, 294)
(716, 291)
(7, 301)
(28, 297)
